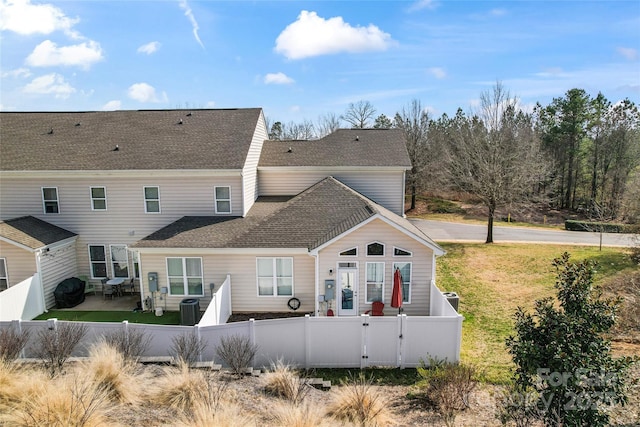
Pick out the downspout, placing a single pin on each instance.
(404, 183)
(141, 279)
(39, 271)
(316, 256)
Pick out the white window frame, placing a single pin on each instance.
(367, 282)
(92, 262)
(146, 201)
(274, 278)
(404, 280)
(95, 199)
(384, 249)
(113, 261)
(135, 258)
(45, 201)
(216, 199)
(185, 277)
(3, 263)
(347, 250)
(409, 253)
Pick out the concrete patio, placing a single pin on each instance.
(99, 303)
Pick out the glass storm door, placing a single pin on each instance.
(347, 293)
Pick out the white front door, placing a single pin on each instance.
(347, 292)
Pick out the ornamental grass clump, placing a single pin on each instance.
(283, 381)
(358, 401)
(306, 414)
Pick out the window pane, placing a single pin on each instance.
(99, 205)
(284, 267)
(223, 206)
(98, 192)
(99, 269)
(375, 272)
(406, 289)
(265, 267)
(3, 268)
(222, 193)
(119, 261)
(51, 207)
(265, 286)
(285, 286)
(153, 206)
(374, 292)
(151, 193)
(176, 286)
(97, 253)
(401, 252)
(193, 266)
(174, 266)
(375, 249)
(349, 252)
(3, 284)
(195, 286)
(50, 193)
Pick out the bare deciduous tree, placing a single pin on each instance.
(327, 124)
(358, 114)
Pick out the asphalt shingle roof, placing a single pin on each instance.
(153, 139)
(32, 232)
(308, 220)
(344, 147)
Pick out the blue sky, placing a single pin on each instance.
(299, 60)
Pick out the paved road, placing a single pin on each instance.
(441, 231)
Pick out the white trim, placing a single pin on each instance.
(346, 250)
(274, 279)
(126, 250)
(403, 250)
(106, 261)
(384, 249)
(228, 251)
(92, 199)
(3, 260)
(216, 200)
(57, 200)
(19, 245)
(144, 199)
(184, 276)
(356, 288)
(366, 288)
(330, 169)
(410, 279)
(156, 173)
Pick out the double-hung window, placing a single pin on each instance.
(405, 271)
(119, 261)
(98, 198)
(152, 199)
(98, 261)
(222, 199)
(275, 276)
(374, 289)
(185, 276)
(4, 279)
(50, 200)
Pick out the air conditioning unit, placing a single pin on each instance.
(189, 311)
(453, 299)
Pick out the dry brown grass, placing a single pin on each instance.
(283, 381)
(303, 415)
(361, 403)
(227, 415)
(180, 388)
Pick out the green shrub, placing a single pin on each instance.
(605, 227)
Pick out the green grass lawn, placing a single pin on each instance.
(168, 318)
(493, 280)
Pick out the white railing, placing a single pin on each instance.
(440, 305)
(305, 342)
(219, 309)
(23, 301)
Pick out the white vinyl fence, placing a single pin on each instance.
(219, 309)
(306, 342)
(22, 301)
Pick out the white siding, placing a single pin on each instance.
(125, 220)
(383, 187)
(379, 231)
(244, 290)
(21, 264)
(250, 171)
(56, 265)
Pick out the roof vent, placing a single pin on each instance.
(368, 208)
(179, 122)
(78, 124)
(117, 148)
(357, 138)
(290, 150)
(50, 131)
(188, 114)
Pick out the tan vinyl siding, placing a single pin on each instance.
(244, 288)
(125, 221)
(21, 264)
(379, 231)
(383, 187)
(249, 171)
(57, 265)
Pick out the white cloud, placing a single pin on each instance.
(18, 72)
(311, 35)
(211, 104)
(50, 84)
(498, 12)
(144, 92)
(149, 48)
(423, 4)
(437, 72)
(112, 105)
(628, 52)
(278, 79)
(48, 54)
(194, 24)
(22, 17)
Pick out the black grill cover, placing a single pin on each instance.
(69, 293)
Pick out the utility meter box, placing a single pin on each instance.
(329, 289)
(153, 281)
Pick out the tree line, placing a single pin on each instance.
(580, 153)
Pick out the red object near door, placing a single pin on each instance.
(330, 313)
(396, 296)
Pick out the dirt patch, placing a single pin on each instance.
(242, 317)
